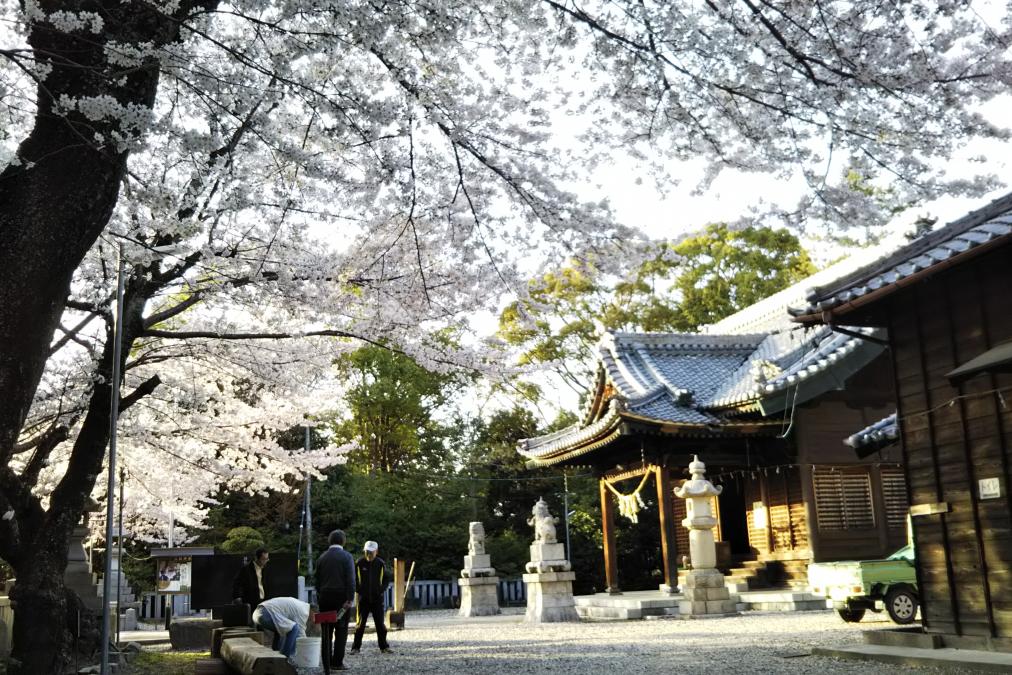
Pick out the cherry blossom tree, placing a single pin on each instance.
(349, 171)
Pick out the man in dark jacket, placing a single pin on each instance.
(335, 588)
(248, 584)
(371, 581)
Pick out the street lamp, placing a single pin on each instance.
(117, 351)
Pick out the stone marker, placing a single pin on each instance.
(192, 633)
(129, 619)
(702, 586)
(478, 582)
(549, 575)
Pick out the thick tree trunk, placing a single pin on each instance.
(54, 203)
(41, 637)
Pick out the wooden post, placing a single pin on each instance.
(666, 510)
(395, 615)
(608, 529)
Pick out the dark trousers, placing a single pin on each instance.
(364, 609)
(329, 601)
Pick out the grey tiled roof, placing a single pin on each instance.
(670, 376)
(696, 380)
(961, 236)
(572, 435)
(786, 359)
(875, 436)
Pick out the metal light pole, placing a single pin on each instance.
(119, 553)
(117, 349)
(309, 509)
(565, 509)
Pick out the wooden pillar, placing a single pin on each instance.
(608, 529)
(666, 510)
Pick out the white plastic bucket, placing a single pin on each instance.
(307, 652)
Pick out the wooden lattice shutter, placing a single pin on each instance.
(843, 498)
(894, 494)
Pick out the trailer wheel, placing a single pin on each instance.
(901, 603)
(851, 615)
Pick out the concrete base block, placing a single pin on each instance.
(192, 633)
(703, 579)
(247, 657)
(481, 560)
(705, 594)
(550, 598)
(219, 635)
(552, 552)
(479, 596)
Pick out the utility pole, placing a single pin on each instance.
(117, 350)
(309, 507)
(119, 556)
(565, 510)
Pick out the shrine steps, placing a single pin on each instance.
(628, 605)
(654, 604)
(780, 600)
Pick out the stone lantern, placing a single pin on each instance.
(703, 586)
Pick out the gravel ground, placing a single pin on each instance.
(757, 642)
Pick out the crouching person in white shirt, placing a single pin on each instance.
(287, 617)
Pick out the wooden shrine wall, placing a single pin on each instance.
(780, 528)
(954, 437)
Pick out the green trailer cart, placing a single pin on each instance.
(856, 586)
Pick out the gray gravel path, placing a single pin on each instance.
(774, 642)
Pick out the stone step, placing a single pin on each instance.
(753, 564)
(779, 595)
(624, 601)
(804, 606)
(612, 613)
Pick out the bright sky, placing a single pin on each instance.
(637, 201)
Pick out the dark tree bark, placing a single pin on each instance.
(54, 204)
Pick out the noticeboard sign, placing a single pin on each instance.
(172, 575)
(990, 488)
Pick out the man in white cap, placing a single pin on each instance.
(371, 581)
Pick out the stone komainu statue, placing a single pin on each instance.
(476, 540)
(543, 522)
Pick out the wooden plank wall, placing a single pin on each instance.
(758, 537)
(681, 533)
(955, 436)
(786, 530)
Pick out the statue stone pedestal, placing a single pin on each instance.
(705, 594)
(479, 596)
(549, 577)
(550, 597)
(478, 582)
(703, 586)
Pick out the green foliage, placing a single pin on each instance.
(164, 663)
(443, 475)
(725, 270)
(390, 405)
(698, 281)
(138, 566)
(243, 540)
